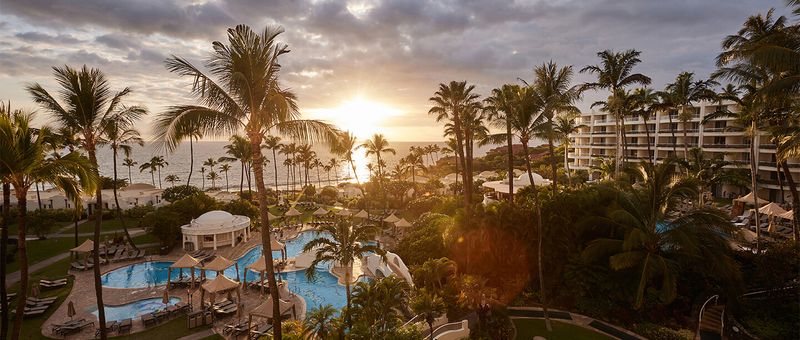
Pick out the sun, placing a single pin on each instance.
(358, 115)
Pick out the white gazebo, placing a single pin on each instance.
(215, 229)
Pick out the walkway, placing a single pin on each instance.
(199, 335)
(575, 319)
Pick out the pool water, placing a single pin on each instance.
(322, 289)
(135, 309)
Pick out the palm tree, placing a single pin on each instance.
(213, 177)
(606, 167)
(316, 163)
(172, 179)
(653, 248)
(379, 304)
(346, 244)
(500, 106)
(239, 150)
(289, 163)
(378, 145)
(430, 306)
(327, 168)
(90, 105)
(245, 95)
(318, 321)
(680, 95)
(203, 176)
(210, 163)
(644, 103)
(224, 168)
(120, 135)
(159, 163)
(344, 147)
(23, 164)
(129, 163)
(274, 143)
(555, 95)
(150, 167)
(288, 150)
(333, 163)
(708, 172)
(565, 125)
(451, 103)
(614, 73)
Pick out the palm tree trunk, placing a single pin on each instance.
(275, 166)
(642, 283)
(566, 162)
(38, 197)
(191, 161)
(22, 205)
(263, 209)
(754, 182)
(4, 254)
(795, 202)
(241, 181)
(624, 139)
(98, 221)
(509, 141)
(130, 178)
(228, 183)
(672, 132)
(647, 134)
(619, 151)
(153, 177)
(553, 165)
(159, 177)
(541, 269)
(355, 174)
(116, 202)
(347, 293)
(685, 141)
(461, 158)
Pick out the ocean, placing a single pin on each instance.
(203, 150)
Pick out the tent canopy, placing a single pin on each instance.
(220, 284)
(320, 212)
(218, 264)
(344, 212)
(275, 244)
(772, 209)
(186, 261)
(271, 216)
(265, 309)
(260, 265)
(85, 247)
(402, 223)
(750, 199)
(789, 215)
(292, 212)
(362, 214)
(391, 219)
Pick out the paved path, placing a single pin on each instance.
(13, 278)
(132, 231)
(199, 335)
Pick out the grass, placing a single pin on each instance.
(173, 329)
(144, 239)
(31, 328)
(108, 225)
(39, 250)
(528, 328)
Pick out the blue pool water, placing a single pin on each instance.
(135, 309)
(322, 289)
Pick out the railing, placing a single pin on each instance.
(726, 146)
(450, 327)
(702, 310)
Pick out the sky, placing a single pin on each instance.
(366, 65)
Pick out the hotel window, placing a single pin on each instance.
(207, 238)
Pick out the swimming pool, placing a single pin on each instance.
(322, 289)
(135, 309)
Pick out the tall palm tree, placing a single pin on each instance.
(318, 322)
(380, 304)
(289, 163)
(151, 168)
(159, 163)
(211, 164)
(333, 163)
(119, 135)
(500, 106)
(429, 306)
(203, 176)
(707, 172)
(681, 94)
(347, 243)
(378, 145)
(289, 150)
(653, 248)
(224, 168)
(88, 106)
(553, 89)
(645, 102)
(213, 177)
(273, 143)
(344, 147)
(327, 168)
(172, 179)
(239, 150)
(128, 162)
(242, 92)
(566, 124)
(614, 73)
(451, 103)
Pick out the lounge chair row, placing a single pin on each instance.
(152, 319)
(71, 327)
(121, 327)
(186, 281)
(259, 331)
(48, 284)
(37, 307)
(125, 255)
(203, 255)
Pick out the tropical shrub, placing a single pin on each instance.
(180, 192)
(139, 211)
(424, 241)
(656, 332)
(40, 223)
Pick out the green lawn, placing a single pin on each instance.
(172, 329)
(108, 225)
(31, 328)
(528, 328)
(39, 250)
(144, 239)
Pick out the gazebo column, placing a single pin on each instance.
(215, 241)
(233, 239)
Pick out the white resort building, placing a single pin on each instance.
(716, 137)
(133, 195)
(215, 229)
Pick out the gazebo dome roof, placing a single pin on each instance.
(214, 217)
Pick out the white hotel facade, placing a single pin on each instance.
(716, 137)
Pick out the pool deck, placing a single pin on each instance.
(83, 294)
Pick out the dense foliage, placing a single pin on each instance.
(179, 192)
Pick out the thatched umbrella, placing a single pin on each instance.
(363, 214)
(186, 261)
(85, 248)
(391, 219)
(264, 310)
(220, 284)
(320, 212)
(344, 213)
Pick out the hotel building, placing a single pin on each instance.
(716, 137)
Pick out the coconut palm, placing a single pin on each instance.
(239, 150)
(566, 124)
(213, 177)
(23, 163)
(379, 304)
(500, 106)
(119, 135)
(655, 249)
(606, 167)
(679, 97)
(225, 168)
(151, 168)
(210, 163)
(242, 92)
(344, 147)
(346, 244)
(555, 94)
(88, 106)
(203, 176)
(129, 163)
(319, 321)
(378, 145)
(429, 306)
(451, 103)
(708, 172)
(645, 102)
(172, 179)
(288, 151)
(273, 143)
(333, 163)
(159, 163)
(614, 73)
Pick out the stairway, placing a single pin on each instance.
(711, 322)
